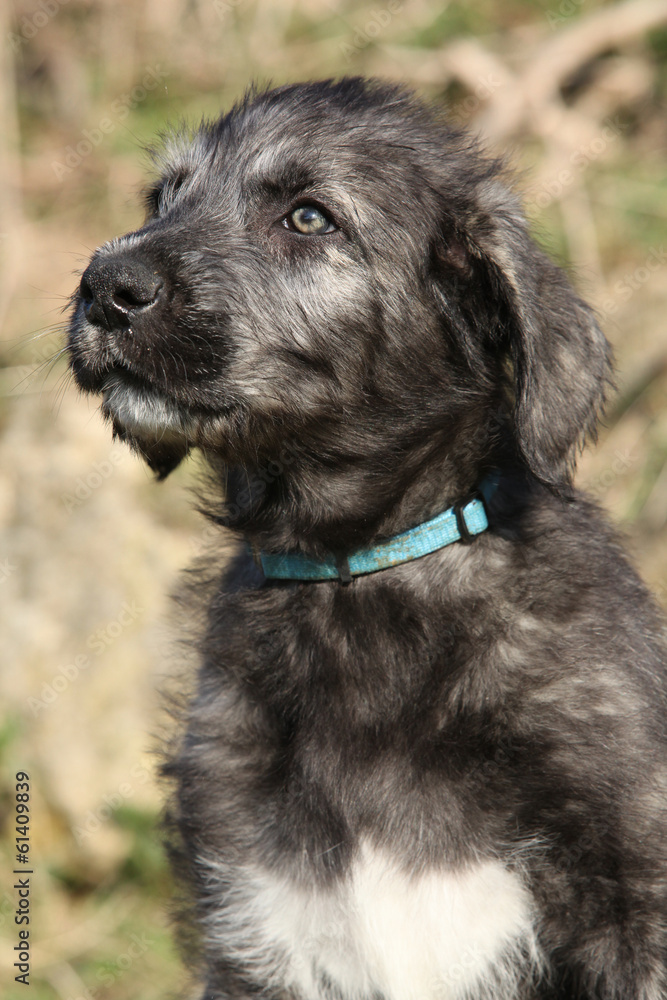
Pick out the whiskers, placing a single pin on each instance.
(42, 369)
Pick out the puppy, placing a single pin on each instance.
(426, 759)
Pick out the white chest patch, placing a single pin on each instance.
(466, 935)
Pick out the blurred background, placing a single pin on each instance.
(90, 548)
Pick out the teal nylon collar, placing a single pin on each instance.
(458, 523)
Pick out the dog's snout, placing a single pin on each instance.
(113, 290)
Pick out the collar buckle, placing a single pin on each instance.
(466, 537)
(343, 568)
(461, 524)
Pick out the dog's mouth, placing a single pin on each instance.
(161, 429)
(141, 410)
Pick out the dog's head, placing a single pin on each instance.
(333, 265)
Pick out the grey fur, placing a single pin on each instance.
(493, 711)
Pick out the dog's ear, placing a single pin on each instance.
(561, 359)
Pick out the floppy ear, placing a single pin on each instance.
(561, 359)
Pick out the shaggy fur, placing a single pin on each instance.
(445, 781)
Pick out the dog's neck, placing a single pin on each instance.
(300, 504)
(460, 523)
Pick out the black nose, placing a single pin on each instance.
(114, 289)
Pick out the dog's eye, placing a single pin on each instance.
(309, 220)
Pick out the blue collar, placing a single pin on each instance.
(459, 523)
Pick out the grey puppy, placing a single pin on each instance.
(440, 776)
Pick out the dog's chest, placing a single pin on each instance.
(379, 932)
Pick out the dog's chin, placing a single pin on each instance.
(154, 426)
